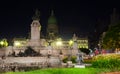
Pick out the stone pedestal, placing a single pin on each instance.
(69, 64)
(79, 66)
(34, 43)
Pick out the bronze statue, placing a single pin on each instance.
(36, 16)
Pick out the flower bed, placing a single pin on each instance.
(111, 61)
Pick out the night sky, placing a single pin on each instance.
(72, 16)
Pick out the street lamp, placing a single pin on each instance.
(2, 43)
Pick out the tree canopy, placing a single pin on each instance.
(112, 37)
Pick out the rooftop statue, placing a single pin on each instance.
(36, 16)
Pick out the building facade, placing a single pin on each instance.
(52, 38)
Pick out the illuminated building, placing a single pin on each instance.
(20, 42)
(51, 37)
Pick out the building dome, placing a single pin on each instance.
(52, 20)
(52, 28)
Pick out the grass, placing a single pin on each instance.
(63, 71)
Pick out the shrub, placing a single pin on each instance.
(111, 61)
(73, 59)
(84, 50)
(65, 59)
(88, 60)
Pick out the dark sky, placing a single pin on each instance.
(73, 16)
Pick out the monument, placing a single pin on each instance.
(79, 60)
(75, 45)
(35, 30)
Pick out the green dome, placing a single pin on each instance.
(52, 20)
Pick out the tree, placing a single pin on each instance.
(84, 50)
(112, 37)
(3, 43)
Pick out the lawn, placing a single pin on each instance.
(63, 71)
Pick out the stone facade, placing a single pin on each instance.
(43, 51)
(30, 60)
(48, 58)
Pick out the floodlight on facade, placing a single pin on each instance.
(59, 43)
(17, 44)
(71, 42)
